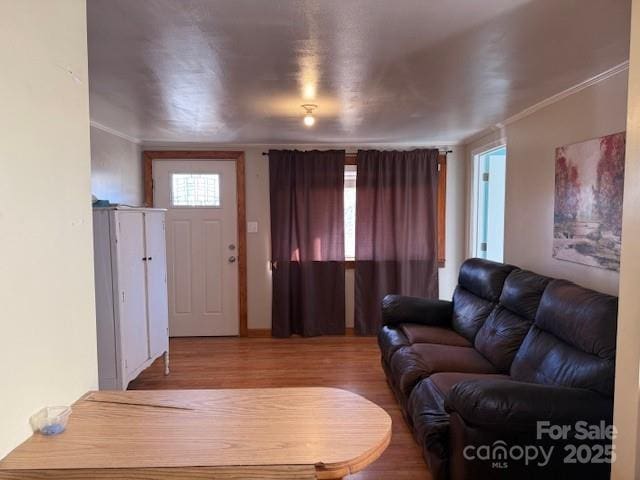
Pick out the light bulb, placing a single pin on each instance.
(309, 120)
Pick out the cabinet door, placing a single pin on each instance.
(157, 305)
(131, 286)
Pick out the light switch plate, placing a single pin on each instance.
(252, 227)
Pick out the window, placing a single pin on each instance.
(195, 190)
(350, 212)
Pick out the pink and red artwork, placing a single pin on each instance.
(588, 202)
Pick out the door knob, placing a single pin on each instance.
(232, 259)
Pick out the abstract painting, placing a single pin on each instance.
(588, 202)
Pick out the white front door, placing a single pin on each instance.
(201, 230)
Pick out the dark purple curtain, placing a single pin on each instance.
(396, 230)
(307, 242)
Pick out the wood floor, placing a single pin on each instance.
(351, 363)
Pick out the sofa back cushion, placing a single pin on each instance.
(573, 340)
(501, 335)
(479, 287)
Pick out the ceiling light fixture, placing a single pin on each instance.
(309, 119)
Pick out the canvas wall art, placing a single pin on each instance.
(588, 202)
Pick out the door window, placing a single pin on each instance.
(195, 190)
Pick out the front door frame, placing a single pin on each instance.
(149, 156)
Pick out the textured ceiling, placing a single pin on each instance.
(381, 71)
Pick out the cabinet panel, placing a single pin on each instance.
(106, 329)
(158, 310)
(131, 287)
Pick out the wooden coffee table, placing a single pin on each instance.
(270, 433)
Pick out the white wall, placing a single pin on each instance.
(116, 168)
(259, 244)
(47, 324)
(455, 222)
(595, 111)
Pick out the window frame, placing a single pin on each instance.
(352, 159)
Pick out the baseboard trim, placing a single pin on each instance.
(259, 333)
(266, 332)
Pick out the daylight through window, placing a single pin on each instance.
(195, 190)
(350, 212)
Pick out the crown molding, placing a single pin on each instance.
(117, 133)
(601, 77)
(320, 145)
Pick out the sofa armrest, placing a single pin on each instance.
(507, 404)
(399, 309)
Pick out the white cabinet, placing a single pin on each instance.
(131, 292)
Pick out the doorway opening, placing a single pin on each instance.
(204, 194)
(489, 203)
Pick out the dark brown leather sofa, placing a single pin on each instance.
(477, 374)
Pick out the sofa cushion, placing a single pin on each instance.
(411, 364)
(428, 415)
(398, 309)
(469, 312)
(583, 318)
(416, 333)
(572, 342)
(501, 336)
(502, 333)
(543, 358)
(479, 287)
(390, 339)
(522, 293)
(484, 278)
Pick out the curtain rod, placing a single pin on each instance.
(441, 151)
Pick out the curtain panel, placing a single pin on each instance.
(307, 242)
(396, 230)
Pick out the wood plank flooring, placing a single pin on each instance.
(351, 363)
